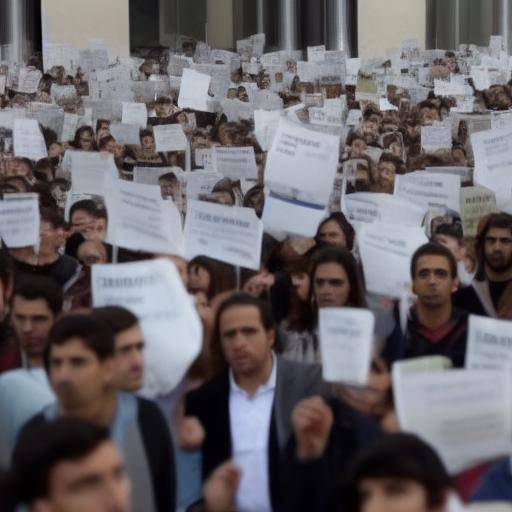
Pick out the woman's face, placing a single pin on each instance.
(358, 147)
(85, 141)
(148, 143)
(393, 495)
(331, 288)
(198, 278)
(332, 234)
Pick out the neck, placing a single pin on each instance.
(34, 362)
(250, 383)
(46, 257)
(497, 277)
(434, 317)
(99, 412)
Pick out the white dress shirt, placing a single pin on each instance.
(250, 427)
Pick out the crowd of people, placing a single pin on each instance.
(253, 426)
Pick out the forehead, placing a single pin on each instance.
(499, 232)
(331, 225)
(81, 214)
(330, 270)
(37, 306)
(432, 261)
(72, 347)
(236, 316)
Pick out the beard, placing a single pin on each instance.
(498, 262)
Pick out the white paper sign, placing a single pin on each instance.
(90, 171)
(19, 220)
(170, 137)
(226, 233)
(316, 53)
(436, 137)
(235, 162)
(126, 133)
(194, 90)
(150, 175)
(493, 164)
(28, 80)
(265, 127)
(386, 251)
(28, 139)
(304, 160)
(377, 207)
(140, 220)
(434, 190)
(69, 127)
(3, 82)
(135, 113)
(346, 341)
(489, 344)
(153, 290)
(201, 183)
(464, 414)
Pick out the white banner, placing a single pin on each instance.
(135, 113)
(346, 341)
(194, 90)
(169, 137)
(386, 251)
(19, 220)
(226, 233)
(235, 162)
(466, 415)
(28, 139)
(140, 220)
(153, 290)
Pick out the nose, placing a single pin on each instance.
(26, 326)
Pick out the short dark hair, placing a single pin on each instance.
(40, 287)
(53, 217)
(433, 249)
(42, 446)
(94, 333)
(397, 456)
(345, 259)
(397, 162)
(116, 317)
(95, 209)
(168, 176)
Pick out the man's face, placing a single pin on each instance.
(387, 173)
(163, 109)
(433, 282)
(51, 237)
(331, 287)
(245, 342)
(169, 188)
(81, 222)
(223, 198)
(32, 320)
(331, 233)
(498, 250)
(77, 376)
(393, 495)
(97, 482)
(129, 359)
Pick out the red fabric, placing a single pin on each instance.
(10, 357)
(466, 482)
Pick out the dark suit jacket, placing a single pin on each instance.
(210, 404)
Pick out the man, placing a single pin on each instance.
(246, 410)
(69, 466)
(389, 166)
(48, 261)
(79, 360)
(128, 346)
(36, 303)
(434, 326)
(490, 294)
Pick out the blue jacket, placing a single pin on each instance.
(496, 484)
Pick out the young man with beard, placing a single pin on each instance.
(490, 293)
(434, 326)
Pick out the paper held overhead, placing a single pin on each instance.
(153, 290)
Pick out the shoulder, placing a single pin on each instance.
(148, 410)
(306, 374)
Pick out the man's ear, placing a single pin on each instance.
(108, 370)
(271, 337)
(456, 284)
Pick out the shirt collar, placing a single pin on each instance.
(270, 385)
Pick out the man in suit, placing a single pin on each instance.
(246, 410)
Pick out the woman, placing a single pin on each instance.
(336, 231)
(84, 139)
(210, 276)
(335, 282)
